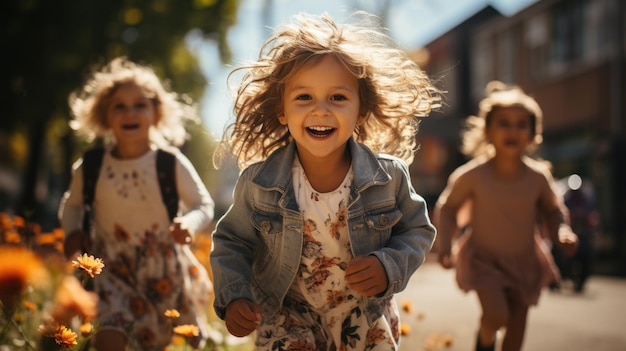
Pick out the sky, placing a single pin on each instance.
(413, 23)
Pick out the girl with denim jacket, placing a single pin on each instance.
(325, 226)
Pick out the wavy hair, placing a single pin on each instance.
(393, 91)
(89, 104)
(498, 95)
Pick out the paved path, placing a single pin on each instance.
(444, 318)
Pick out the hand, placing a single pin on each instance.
(445, 260)
(76, 242)
(568, 241)
(179, 232)
(242, 317)
(366, 275)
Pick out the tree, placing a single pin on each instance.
(50, 45)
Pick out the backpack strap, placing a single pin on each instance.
(92, 161)
(166, 172)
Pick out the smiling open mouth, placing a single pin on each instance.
(130, 126)
(320, 131)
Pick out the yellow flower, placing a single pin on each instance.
(188, 330)
(172, 314)
(89, 264)
(65, 337)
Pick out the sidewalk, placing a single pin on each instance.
(445, 318)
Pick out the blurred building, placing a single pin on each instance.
(569, 55)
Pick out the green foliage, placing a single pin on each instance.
(50, 46)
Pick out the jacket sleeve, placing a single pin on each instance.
(234, 241)
(411, 238)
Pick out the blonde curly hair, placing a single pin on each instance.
(89, 104)
(498, 95)
(393, 90)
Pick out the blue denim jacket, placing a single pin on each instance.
(257, 244)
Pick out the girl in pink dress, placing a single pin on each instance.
(500, 199)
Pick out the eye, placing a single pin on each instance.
(303, 97)
(140, 105)
(338, 97)
(119, 107)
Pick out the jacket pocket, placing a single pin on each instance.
(270, 229)
(382, 221)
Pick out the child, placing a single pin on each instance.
(506, 193)
(323, 232)
(149, 267)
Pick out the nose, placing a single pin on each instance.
(321, 108)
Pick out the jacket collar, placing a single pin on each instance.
(275, 172)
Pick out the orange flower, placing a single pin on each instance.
(19, 222)
(29, 305)
(172, 314)
(58, 233)
(120, 233)
(137, 307)
(19, 268)
(72, 299)
(407, 306)
(46, 239)
(61, 335)
(86, 329)
(447, 340)
(178, 340)
(65, 337)
(188, 330)
(5, 221)
(163, 286)
(193, 271)
(89, 264)
(405, 329)
(12, 237)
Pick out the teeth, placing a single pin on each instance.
(320, 129)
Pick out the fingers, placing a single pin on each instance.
(242, 317)
(366, 275)
(445, 260)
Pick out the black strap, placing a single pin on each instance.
(166, 172)
(92, 161)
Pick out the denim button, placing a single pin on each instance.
(265, 226)
(383, 220)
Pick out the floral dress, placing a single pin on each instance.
(145, 272)
(320, 311)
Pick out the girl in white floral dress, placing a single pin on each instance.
(149, 267)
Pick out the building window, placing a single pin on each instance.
(568, 33)
(482, 52)
(536, 35)
(507, 57)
